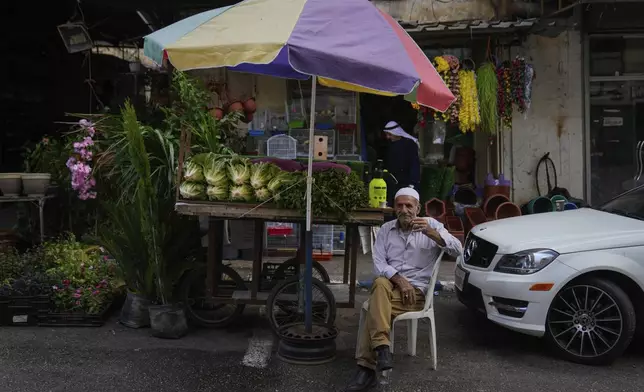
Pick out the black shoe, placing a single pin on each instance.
(384, 358)
(364, 380)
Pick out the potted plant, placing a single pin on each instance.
(148, 240)
(38, 163)
(85, 283)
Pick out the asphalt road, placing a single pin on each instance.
(473, 355)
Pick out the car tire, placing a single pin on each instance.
(605, 318)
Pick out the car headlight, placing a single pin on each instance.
(526, 262)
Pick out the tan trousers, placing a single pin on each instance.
(385, 303)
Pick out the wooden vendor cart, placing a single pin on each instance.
(224, 288)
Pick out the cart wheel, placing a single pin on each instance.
(319, 272)
(205, 311)
(282, 304)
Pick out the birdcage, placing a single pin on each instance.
(339, 239)
(322, 242)
(281, 146)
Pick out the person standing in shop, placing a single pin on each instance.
(402, 160)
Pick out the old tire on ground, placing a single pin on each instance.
(199, 309)
(282, 305)
(591, 321)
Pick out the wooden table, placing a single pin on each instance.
(218, 212)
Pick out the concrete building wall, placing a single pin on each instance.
(554, 122)
(425, 11)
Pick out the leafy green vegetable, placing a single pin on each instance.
(217, 192)
(192, 191)
(215, 171)
(262, 194)
(261, 174)
(282, 180)
(241, 193)
(239, 171)
(193, 172)
(335, 193)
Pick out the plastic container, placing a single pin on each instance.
(492, 203)
(435, 208)
(539, 205)
(10, 184)
(36, 184)
(570, 206)
(507, 210)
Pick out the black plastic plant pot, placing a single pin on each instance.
(298, 347)
(135, 311)
(168, 321)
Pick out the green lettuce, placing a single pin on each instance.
(192, 191)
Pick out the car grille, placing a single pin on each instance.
(478, 252)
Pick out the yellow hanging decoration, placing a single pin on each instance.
(469, 114)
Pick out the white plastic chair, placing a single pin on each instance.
(412, 319)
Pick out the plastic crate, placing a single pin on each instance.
(52, 319)
(268, 274)
(22, 311)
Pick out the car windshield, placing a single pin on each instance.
(629, 204)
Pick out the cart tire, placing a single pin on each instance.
(325, 309)
(197, 277)
(280, 272)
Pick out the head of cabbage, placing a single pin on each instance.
(262, 194)
(216, 173)
(241, 193)
(239, 171)
(192, 190)
(217, 192)
(193, 172)
(262, 173)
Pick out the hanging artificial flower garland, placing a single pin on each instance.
(442, 67)
(469, 114)
(504, 94)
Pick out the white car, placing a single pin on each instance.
(575, 278)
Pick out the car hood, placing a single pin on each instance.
(571, 231)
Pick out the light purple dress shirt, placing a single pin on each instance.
(412, 256)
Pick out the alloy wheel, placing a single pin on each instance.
(585, 321)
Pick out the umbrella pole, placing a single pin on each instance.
(308, 275)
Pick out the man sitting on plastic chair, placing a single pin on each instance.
(404, 254)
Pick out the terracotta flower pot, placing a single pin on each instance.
(454, 224)
(435, 208)
(217, 113)
(250, 106)
(236, 107)
(473, 217)
(492, 203)
(507, 210)
(248, 117)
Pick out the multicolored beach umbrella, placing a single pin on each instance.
(348, 44)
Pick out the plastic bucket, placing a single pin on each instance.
(570, 206)
(540, 204)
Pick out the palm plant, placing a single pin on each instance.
(145, 235)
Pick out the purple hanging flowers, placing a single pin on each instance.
(79, 163)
